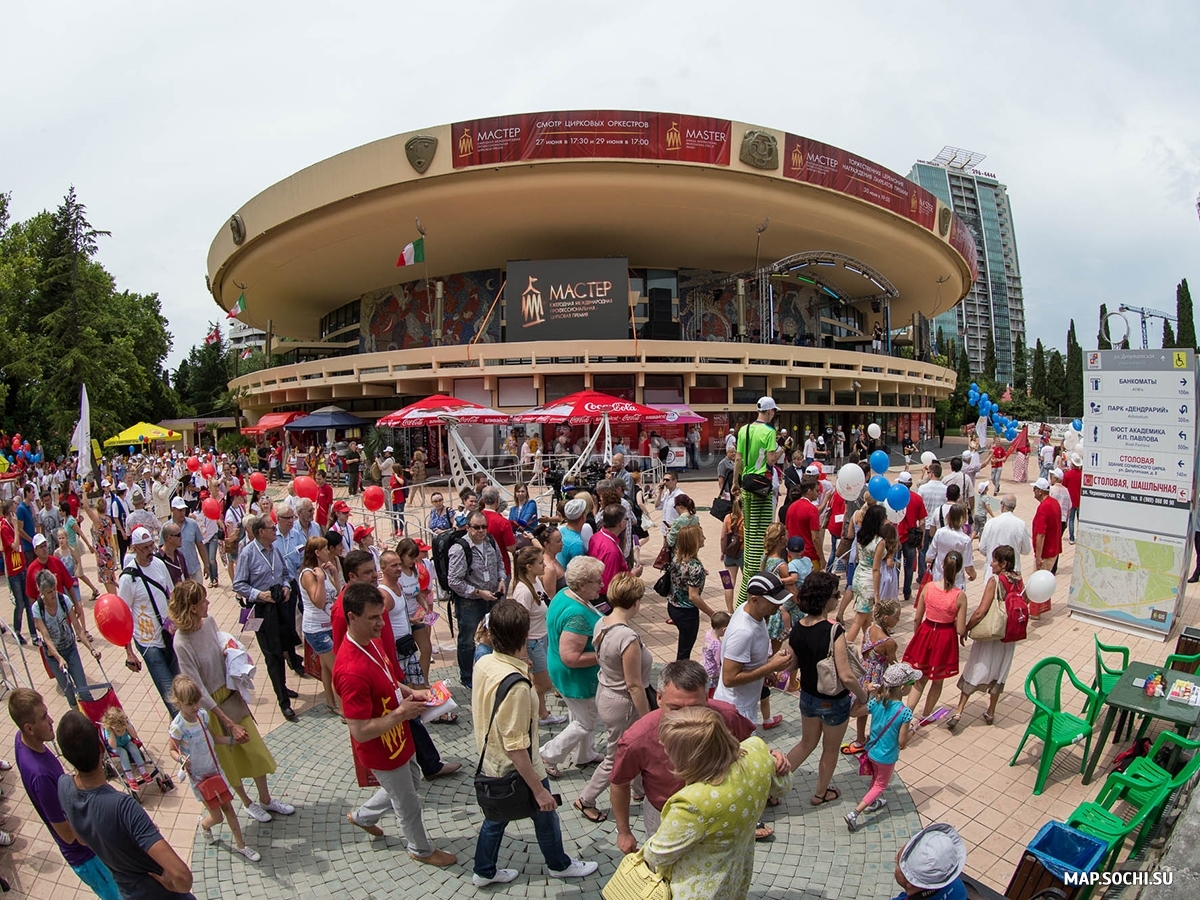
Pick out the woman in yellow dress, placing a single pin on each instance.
(705, 844)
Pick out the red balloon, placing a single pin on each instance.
(193, 464)
(208, 470)
(114, 619)
(211, 508)
(258, 481)
(373, 498)
(306, 487)
(16, 439)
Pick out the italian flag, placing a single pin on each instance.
(412, 253)
(238, 308)
(247, 353)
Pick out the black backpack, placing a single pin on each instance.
(440, 554)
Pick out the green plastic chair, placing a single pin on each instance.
(1153, 781)
(1099, 819)
(1107, 676)
(1050, 724)
(1183, 658)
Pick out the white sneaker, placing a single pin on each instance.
(875, 805)
(502, 876)
(278, 806)
(552, 719)
(209, 837)
(577, 869)
(5, 838)
(257, 812)
(249, 852)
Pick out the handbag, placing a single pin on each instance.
(721, 508)
(995, 621)
(756, 484)
(663, 558)
(828, 680)
(662, 587)
(406, 645)
(507, 797)
(213, 789)
(633, 880)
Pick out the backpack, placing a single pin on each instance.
(440, 554)
(1140, 747)
(1017, 607)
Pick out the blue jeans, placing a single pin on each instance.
(163, 667)
(16, 584)
(549, 838)
(1072, 518)
(75, 668)
(925, 542)
(910, 559)
(469, 614)
(95, 874)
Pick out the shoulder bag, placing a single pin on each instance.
(507, 797)
(720, 508)
(865, 764)
(995, 621)
(213, 789)
(828, 680)
(758, 484)
(633, 880)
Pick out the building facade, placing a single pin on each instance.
(995, 304)
(665, 258)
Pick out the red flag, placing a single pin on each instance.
(1020, 443)
(213, 337)
(247, 353)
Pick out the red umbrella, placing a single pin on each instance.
(432, 410)
(589, 406)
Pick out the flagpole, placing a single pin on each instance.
(425, 267)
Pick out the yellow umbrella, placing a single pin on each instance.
(134, 434)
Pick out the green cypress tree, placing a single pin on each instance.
(1074, 373)
(1102, 341)
(1056, 383)
(1185, 332)
(1037, 379)
(1168, 335)
(1020, 366)
(989, 360)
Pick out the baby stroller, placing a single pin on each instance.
(104, 697)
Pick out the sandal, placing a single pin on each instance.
(591, 813)
(762, 831)
(825, 798)
(448, 719)
(552, 771)
(774, 801)
(853, 748)
(989, 719)
(952, 723)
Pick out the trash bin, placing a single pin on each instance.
(1188, 644)
(1056, 849)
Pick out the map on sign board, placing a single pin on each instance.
(1127, 576)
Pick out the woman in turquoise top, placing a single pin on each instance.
(705, 844)
(574, 665)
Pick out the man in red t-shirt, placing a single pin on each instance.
(43, 560)
(804, 520)
(324, 499)
(1047, 528)
(378, 706)
(499, 528)
(910, 531)
(14, 569)
(1073, 482)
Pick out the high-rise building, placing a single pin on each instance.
(995, 304)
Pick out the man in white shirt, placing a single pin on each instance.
(668, 490)
(810, 449)
(387, 465)
(1046, 459)
(160, 496)
(1008, 530)
(145, 586)
(746, 658)
(730, 441)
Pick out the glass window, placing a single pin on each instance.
(558, 386)
(623, 386)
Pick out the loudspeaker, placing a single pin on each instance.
(660, 304)
(664, 331)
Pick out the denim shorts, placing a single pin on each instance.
(830, 712)
(537, 649)
(320, 641)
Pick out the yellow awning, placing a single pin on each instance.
(135, 434)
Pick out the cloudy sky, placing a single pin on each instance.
(167, 117)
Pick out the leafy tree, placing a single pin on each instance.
(1074, 374)
(1056, 383)
(989, 359)
(1025, 409)
(958, 410)
(941, 340)
(1037, 378)
(202, 380)
(1020, 366)
(1186, 334)
(1102, 341)
(1168, 340)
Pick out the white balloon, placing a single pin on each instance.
(874, 431)
(1071, 439)
(850, 481)
(1040, 586)
(927, 457)
(893, 515)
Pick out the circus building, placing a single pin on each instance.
(667, 259)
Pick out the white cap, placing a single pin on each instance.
(1041, 485)
(38, 540)
(1076, 459)
(966, 454)
(1056, 473)
(140, 536)
(765, 403)
(982, 487)
(178, 503)
(575, 509)
(104, 482)
(904, 478)
(388, 450)
(812, 470)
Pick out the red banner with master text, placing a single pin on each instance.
(613, 134)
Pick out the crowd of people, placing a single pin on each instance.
(546, 603)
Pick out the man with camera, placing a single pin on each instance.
(476, 578)
(261, 579)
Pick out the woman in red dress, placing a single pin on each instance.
(941, 619)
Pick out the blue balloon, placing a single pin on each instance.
(879, 461)
(898, 496)
(878, 488)
(983, 397)
(974, 387)
(1077, 425)
(132, 449)
(1011, 434)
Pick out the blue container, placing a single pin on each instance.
(1061, 848)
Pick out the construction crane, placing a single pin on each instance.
(1147, 313)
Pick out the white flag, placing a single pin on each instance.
(81, 440)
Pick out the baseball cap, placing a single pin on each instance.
(388, 450)
(1057, 473)
(1041, 485)
(765, 403)
(236, 491)
(901, 673)
(362, 531)
(966, 454)
(178, 503)
(574, 509)
(904, 478)
(982, 487)
(341, 507)
(39, 540)
(140, 536)
(812, 470)
(934, 857)
(104, 482)
(767, 584)
(796, 544)
(422, 546)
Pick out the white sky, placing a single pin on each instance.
(167, 117)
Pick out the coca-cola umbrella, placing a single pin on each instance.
(586, 407)
(439, 407)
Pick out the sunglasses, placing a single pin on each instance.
(477, 527)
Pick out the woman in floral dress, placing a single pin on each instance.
(104, 540)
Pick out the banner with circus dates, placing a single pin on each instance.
(617, 134)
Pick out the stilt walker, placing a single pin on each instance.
(756, 447)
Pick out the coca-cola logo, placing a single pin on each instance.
(616, 407)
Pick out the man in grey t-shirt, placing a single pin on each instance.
(725, 470)
(746, 658)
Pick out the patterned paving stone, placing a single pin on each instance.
(316, 853)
